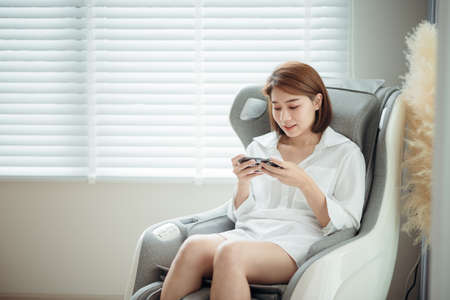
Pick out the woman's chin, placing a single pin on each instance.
(291, 133)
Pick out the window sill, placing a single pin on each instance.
(116, 179)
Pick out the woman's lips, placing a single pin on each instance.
(289, 128)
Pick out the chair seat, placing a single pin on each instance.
(258, 291)
(203, 294)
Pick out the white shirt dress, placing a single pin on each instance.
(279, 213)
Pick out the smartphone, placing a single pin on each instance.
(258, 161)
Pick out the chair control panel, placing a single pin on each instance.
(167, 232)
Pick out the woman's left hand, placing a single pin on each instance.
(291, 174)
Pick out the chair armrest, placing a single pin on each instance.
(152, 250)
(330, 240)
(212, 213)
(156, 248)
(212, 221)
(316, 251)
(213, 225)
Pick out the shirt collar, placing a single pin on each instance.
(329, 138)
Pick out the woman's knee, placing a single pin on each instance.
(197, 250)
(227, 254)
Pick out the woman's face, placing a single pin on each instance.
(295, 114)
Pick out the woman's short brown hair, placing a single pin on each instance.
(297, 78)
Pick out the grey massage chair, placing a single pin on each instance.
(344, 265)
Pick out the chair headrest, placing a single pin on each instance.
(354, 105)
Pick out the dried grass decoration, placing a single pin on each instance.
(418, 94)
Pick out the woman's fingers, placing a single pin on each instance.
(255, 174)
(235, 159)
(276, 161)
(272, 169)
(243, 168)
(247, 169)
(250, 170)
(253, 171)
(247, 164)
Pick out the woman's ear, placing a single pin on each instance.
(317, 101)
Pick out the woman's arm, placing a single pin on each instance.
(316, 200)
(343, 208)
(242, 202)
(345, 203)
(242, 193)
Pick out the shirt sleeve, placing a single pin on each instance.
(245, 207)
(346, 203)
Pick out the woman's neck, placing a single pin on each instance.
(311, 139)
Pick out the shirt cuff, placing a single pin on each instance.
(336, 214)
(329, 229)
(244, 208)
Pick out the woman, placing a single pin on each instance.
(278, 212)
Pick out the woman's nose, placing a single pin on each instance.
(285, 115)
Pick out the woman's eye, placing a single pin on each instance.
(294, 107)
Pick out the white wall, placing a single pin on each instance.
(76, 238)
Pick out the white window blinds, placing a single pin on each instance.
(128, 89)
(43, 120)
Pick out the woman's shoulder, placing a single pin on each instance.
(347, 149)
(341, 148)
(335, 141)
(349, 146)
(264, 142)
(266, 139)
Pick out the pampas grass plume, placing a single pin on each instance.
(418, 94)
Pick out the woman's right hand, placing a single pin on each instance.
(244, 171)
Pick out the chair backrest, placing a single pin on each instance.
(357, 110)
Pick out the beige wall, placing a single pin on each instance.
(380, 28)
(76, 238)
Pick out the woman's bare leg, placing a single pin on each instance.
(193, 261)
(238, 263)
